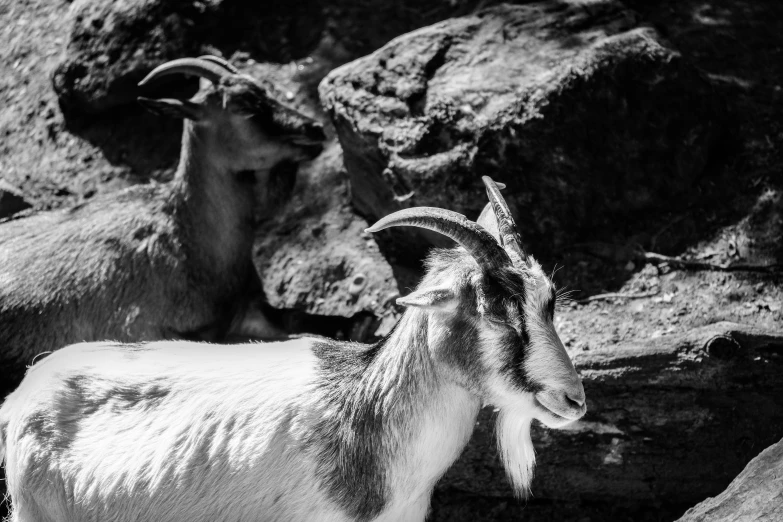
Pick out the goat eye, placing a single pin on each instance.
(498, 322)
(505, 324)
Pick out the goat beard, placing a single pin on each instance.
(516, 449)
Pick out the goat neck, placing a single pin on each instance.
(217, 201)
(392, 422)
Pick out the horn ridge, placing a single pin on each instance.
(220, 61)
(194, 66)
(508, 233)
(478, 242)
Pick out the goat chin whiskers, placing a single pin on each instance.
(515, 445)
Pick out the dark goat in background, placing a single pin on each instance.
(160, 261)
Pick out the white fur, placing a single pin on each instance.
(224, 444)
(442, 433)
(516, 411)
(202, 454)
(516, 447)
(563, 396)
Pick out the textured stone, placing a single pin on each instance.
(756, 495)
(315, 257)
(112, 45)
(583, 114)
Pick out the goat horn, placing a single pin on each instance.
(509, 236)
(194, 66)
(220, 61)
(478, 242)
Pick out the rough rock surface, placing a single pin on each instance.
(314, 256)
(581, 112)
(112, 45)
(11, 200)
(669, 422)
(756, 495)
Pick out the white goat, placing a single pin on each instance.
(307, 429)
(156, 261)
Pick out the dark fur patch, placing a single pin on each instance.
(362, 420)
(460, 347)
(353, 467)
(271, 115)
(459, 350)
(505, 294)
(549, 303)
(85, 395)
(514, 365)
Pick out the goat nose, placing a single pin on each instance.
(577, 399)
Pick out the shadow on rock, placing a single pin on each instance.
(147, 143)
(113, 45)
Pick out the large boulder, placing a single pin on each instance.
(315, 258)
(112, 45)
(669, 422)
(756, 495)
(584, 114)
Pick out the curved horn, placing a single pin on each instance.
(477, 241)
(507, 229)
(194, 66)
(220, 61)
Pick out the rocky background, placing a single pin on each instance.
(641, 146)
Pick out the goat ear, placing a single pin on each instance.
(204, 84)
(489, 221)
(172, 107)
(441, 299)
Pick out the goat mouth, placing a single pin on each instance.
(548, 411)
(311, 148)
(553, 418)
(314, 149)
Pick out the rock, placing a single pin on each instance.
(314, 256)
(583, 114)
(113, 45)
(11, 200)
(669, 422)
(756, 495)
